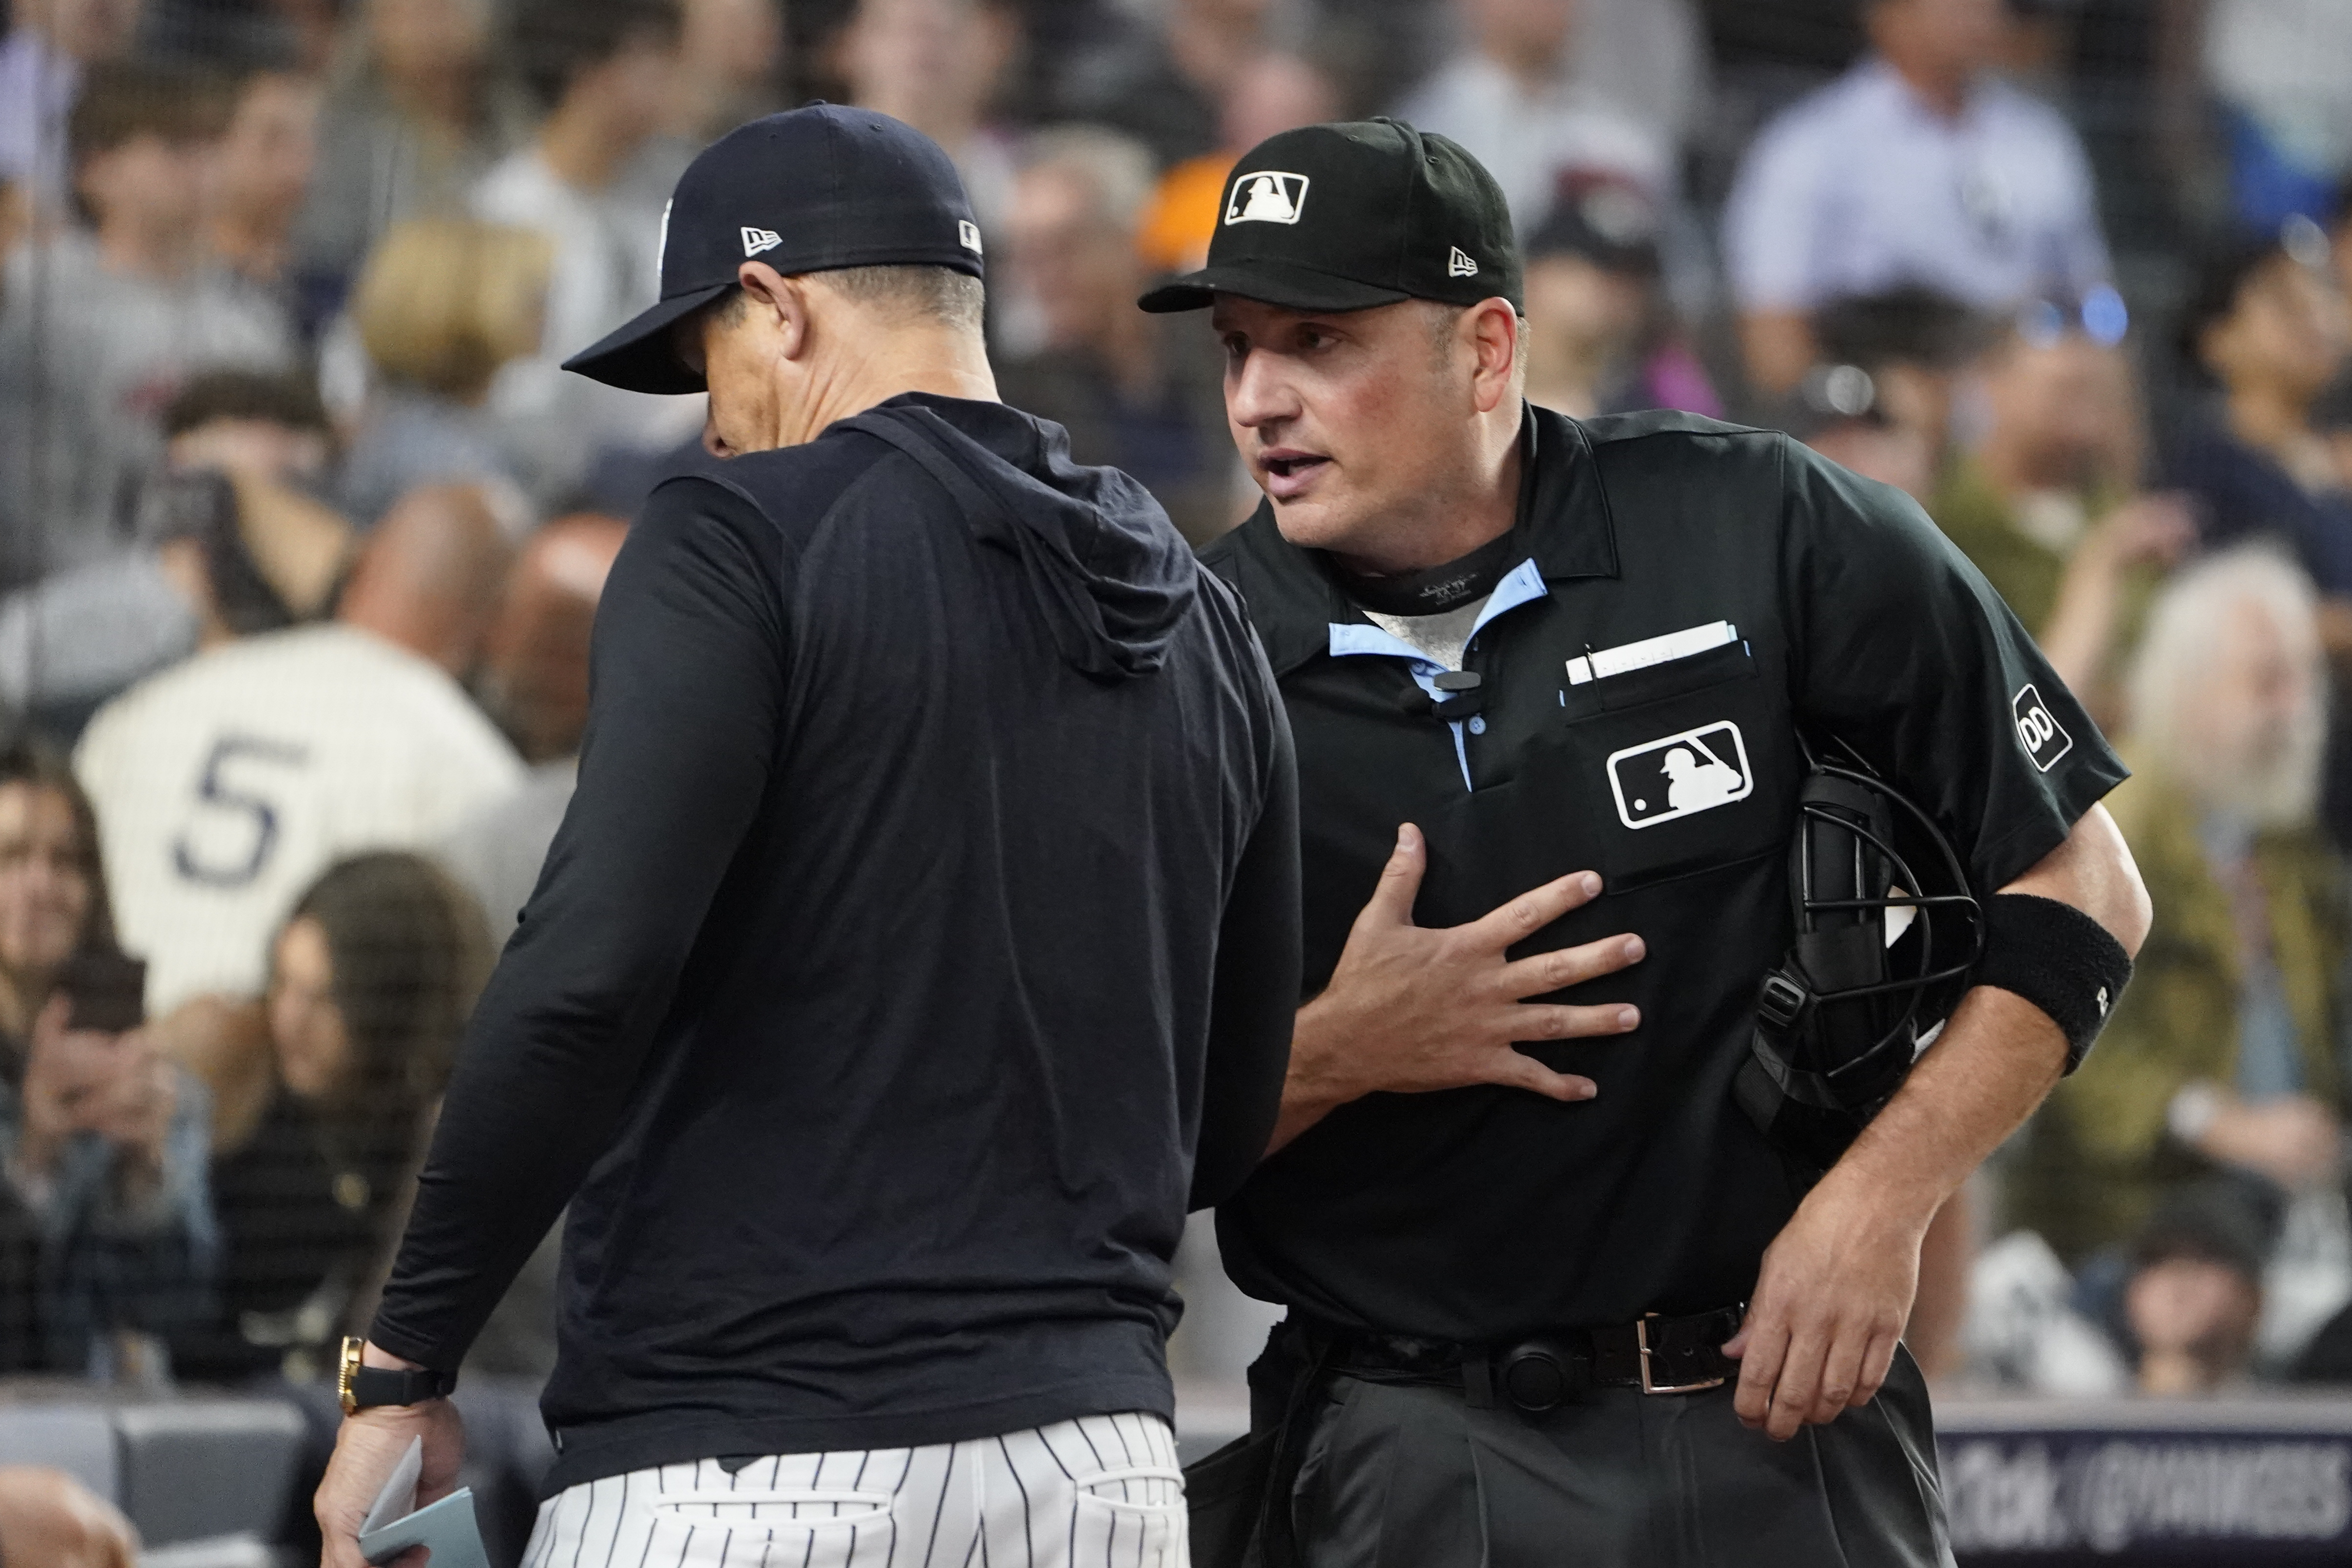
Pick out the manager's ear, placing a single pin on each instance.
(779, 303)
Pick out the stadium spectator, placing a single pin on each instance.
(247, 550)
(50, 44)
(2045, 503)
(2267, 330)
(371, 977)
(1842, 412)
(105, 1228)
(1916, 346)
(1165, 85)
(443, 305)
(603, 70)
(267, 156)
(1142, 393)
(101, 328)
(261, 426)
(1648, 55)
(1271, 92)
(1602, 333)
(1516, 100)
(937, 64)
(1919, 166)
(416, 115)
(2277, 69)
(49, 1520)
(226, 784)
(535, 683)
(2221, 1053)
(731, 58)
(2194, 1297)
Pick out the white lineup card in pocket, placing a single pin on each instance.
(1678, 776)
(1626, 658)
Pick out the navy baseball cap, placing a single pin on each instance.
(1348, 216)
(809, 190)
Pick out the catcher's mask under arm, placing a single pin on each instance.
(1887, 933)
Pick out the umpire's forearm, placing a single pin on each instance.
(1998, 1056)
(1995, 1061)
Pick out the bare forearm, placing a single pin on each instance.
(1999, 1055)
(1309, 1091)
(1988, 1071)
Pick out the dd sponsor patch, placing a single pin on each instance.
(1678, 776)
(2045, 739)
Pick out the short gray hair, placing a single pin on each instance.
(920, 289)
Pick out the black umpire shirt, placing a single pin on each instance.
(929, 896)
(1791, 592)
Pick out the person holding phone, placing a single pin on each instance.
(106, 1234)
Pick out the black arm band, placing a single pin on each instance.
(2059, 959)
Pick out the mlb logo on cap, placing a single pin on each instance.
(1266, 195)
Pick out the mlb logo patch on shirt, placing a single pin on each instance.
(1266, 196)
(2044, 740)
(1680, 775)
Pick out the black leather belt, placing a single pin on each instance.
(1654, 1355)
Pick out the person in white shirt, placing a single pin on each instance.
(603, 69)
(1919, 166)
(1519, 102)
(224, 785)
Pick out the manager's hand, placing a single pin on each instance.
(1411, 1009)
(367, 1447)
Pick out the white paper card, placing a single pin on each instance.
(1628, 657)
(398, 1497)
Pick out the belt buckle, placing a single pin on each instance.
(1641, 1343)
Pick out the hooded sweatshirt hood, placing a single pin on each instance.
(1106, 569)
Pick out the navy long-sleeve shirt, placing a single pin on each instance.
(922, 936)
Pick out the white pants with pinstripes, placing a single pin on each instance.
(1102, 1491)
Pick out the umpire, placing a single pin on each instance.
(922, 935)
(1570, 656)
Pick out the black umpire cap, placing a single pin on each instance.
(1348, 216)
(811, 190)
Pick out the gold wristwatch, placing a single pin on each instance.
(360, 1387)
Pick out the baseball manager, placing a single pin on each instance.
(1554, 1295)
(921, 936)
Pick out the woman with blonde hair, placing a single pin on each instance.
(442, 305)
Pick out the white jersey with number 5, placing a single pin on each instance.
(224, 785)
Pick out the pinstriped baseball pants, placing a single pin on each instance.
(1101, 1491)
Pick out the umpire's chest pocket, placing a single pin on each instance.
(1674, 769)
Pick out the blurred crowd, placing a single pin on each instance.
(302, 530)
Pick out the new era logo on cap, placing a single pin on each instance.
(1458, 264)
(968, 234)
(756, 240)
(1266, 196)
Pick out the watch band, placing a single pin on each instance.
(362, 1387)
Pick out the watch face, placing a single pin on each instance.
(346, 1373)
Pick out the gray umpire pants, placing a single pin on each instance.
(1396, 1475)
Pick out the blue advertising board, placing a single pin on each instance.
(2047, 1484)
